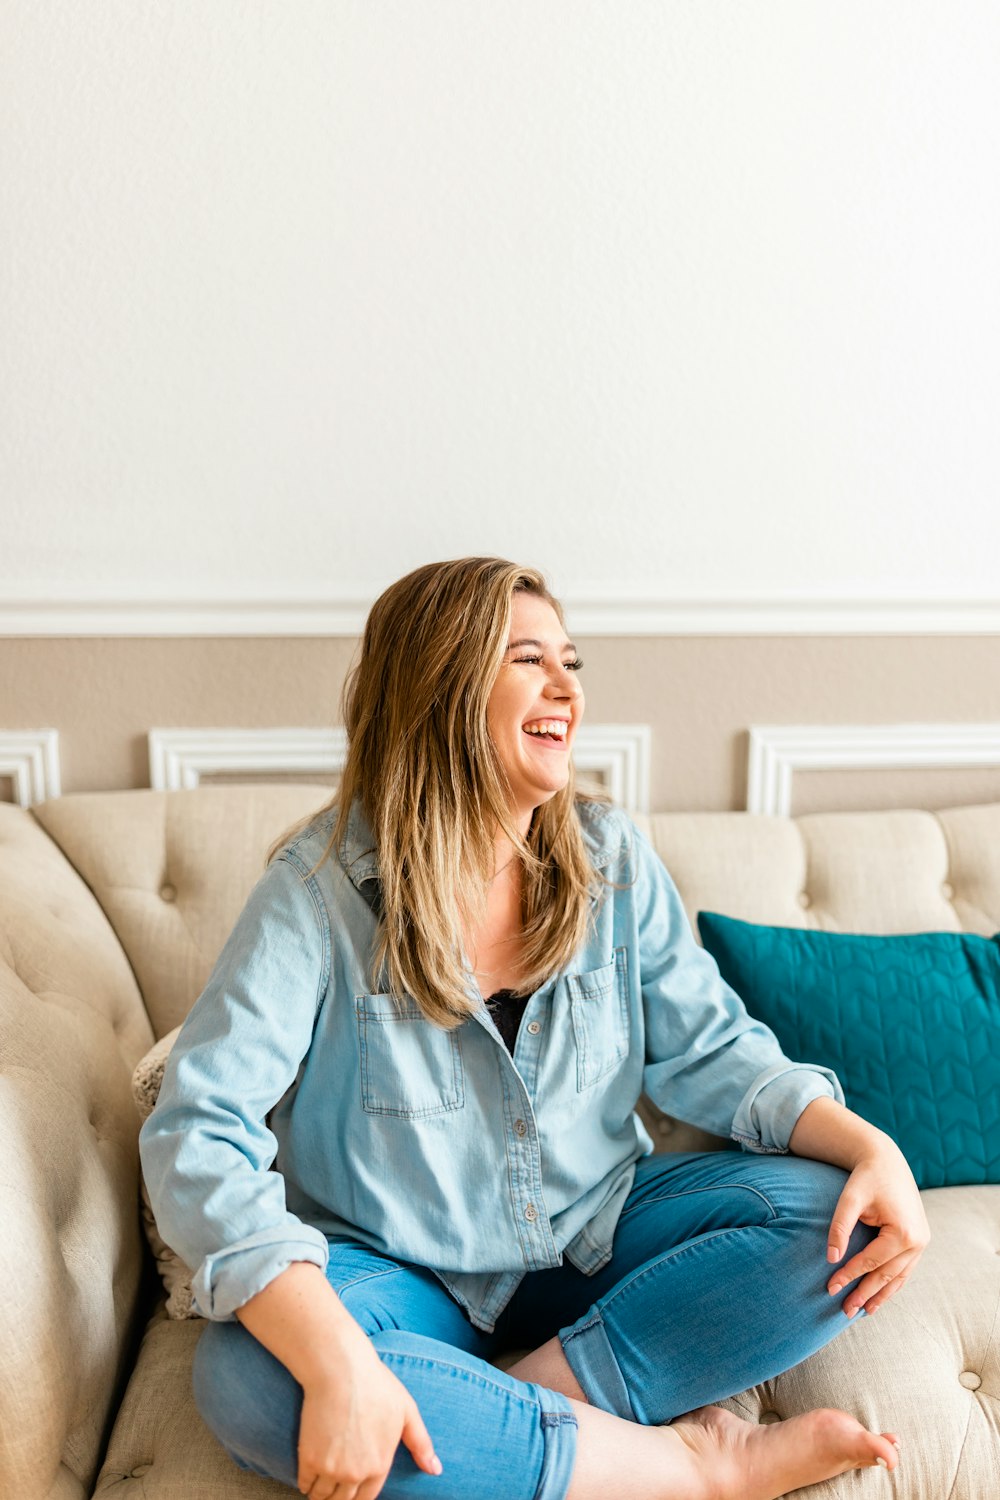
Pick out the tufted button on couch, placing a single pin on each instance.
(113, 908)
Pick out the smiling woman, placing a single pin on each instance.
(535, 706)
(397, 1132)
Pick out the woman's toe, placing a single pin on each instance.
(890, 1458)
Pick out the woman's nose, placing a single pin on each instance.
(565, 683)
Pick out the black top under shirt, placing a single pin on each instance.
(506, 1007)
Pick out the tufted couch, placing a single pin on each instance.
(113, 907)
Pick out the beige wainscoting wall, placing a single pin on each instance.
(698, 694)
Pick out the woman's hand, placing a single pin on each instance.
(355, 1412)
(352, 1423)
(880, 1192)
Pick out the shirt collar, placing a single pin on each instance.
(357, 849)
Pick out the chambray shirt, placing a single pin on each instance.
(299, 1107)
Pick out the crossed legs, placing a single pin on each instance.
(716, 1282)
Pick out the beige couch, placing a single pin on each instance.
(113, 907)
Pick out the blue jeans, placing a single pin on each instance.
(717, 1281)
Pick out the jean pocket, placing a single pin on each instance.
(409, 1067)
(351, 1263)
(599, 1010)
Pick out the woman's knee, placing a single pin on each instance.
(810, 1191)
(246, 1397)
(800, 1188)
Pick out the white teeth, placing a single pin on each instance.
(547, 726)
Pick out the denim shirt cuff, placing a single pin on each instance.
(768, 1112)
(230, 1277)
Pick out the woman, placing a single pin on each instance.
(434, 1017)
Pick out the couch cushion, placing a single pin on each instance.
(924, 1358)
(160, 1448)
(72, 1027)
(898, 871)
(173, 870)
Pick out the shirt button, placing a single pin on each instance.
(947, 890)
(805, 900)
(168, 893)
(531, 1213)
(534, 1027)
(520, 1127)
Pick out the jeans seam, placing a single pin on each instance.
(580, 1328)
(342, 1286)
(714, 1188)
(648, 1270)
(444, 1364)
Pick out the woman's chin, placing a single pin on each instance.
(541, 794)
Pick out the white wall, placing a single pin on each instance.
(677, 300)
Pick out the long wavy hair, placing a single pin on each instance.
(435, 792)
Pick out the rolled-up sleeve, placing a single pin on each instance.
(206, 1149)
(768, 1112)
(708, 1061)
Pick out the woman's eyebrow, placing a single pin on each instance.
(567, 645)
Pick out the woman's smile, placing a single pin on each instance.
(550, 734)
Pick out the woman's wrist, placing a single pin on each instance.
(301, 1320)
(827, 1131)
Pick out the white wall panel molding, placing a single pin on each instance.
(178, 758)
(778, 751)
(30, 757)
(622, 755)
(586, 615)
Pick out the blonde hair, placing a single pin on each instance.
(435, 792)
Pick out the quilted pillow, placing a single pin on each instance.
(175, 1275)
(910, 1025)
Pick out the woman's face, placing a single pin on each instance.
(536, 684)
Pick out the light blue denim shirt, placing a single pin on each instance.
(298, 1105)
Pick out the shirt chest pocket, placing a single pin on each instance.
(600, 1015)
(409, 1067)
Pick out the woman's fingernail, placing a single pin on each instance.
(438, 1466)
(832, 1253)
(882, 1462)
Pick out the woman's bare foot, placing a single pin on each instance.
(762, 1462)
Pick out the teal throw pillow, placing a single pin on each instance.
(910, 1025)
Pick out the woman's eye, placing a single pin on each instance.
(571, 666)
